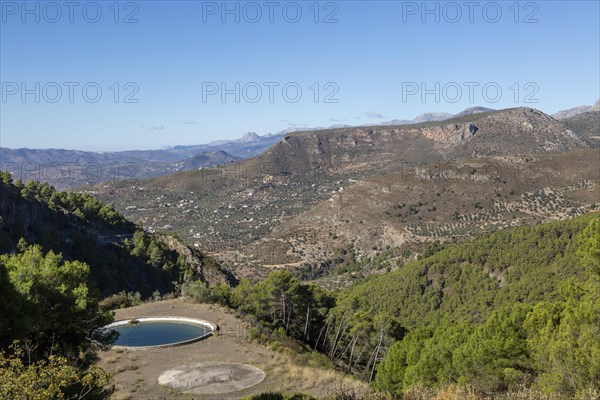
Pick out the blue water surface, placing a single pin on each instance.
(157, 333)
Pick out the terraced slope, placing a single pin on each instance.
(371, 188)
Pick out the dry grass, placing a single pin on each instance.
(294, 378)
(456, 392)
(121, 361)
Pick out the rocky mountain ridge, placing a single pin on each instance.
(368, 188)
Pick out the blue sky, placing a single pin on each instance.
(364, 58)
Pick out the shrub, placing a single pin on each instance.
(198, 292)
(121, 300)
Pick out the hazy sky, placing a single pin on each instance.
(162, 67)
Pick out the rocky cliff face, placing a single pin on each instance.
(513, 131)
(451, 134)
(207, 269)
(523, 131)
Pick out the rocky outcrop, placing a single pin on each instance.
(451, 134)
(207, 269)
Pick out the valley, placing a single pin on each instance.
(368, 190)
(324, 200)
(383, 238)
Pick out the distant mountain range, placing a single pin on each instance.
(73, 168)
(428, 117)
(571, 112)
(66, 169)
(206, 158)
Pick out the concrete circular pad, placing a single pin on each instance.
(211, 377)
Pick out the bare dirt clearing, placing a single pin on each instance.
(212, 377)
(136, 372)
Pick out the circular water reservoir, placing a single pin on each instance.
(155, 332)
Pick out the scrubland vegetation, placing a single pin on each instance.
(513, 314)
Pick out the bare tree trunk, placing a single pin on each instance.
(325, 336)
(339, 358)
(377, 353)
(361, 353)
(306, 323)
(369, 363)
(321, 331)
(283, 305)
(335, 341)
(354, 339)
(289, 317)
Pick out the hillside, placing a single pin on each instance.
(206, 159)
(440, 202)
(467, 281)
(506, 312)
(338, 214)
(363, 150)
(120, 255)
(307, 200)
(365, 190)
(587, 126)
(512, 131)
(513, 309)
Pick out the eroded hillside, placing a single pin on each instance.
(366, 190)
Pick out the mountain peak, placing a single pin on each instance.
(473, 110)
(571, 112)
(250, 137)
(431, 116)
